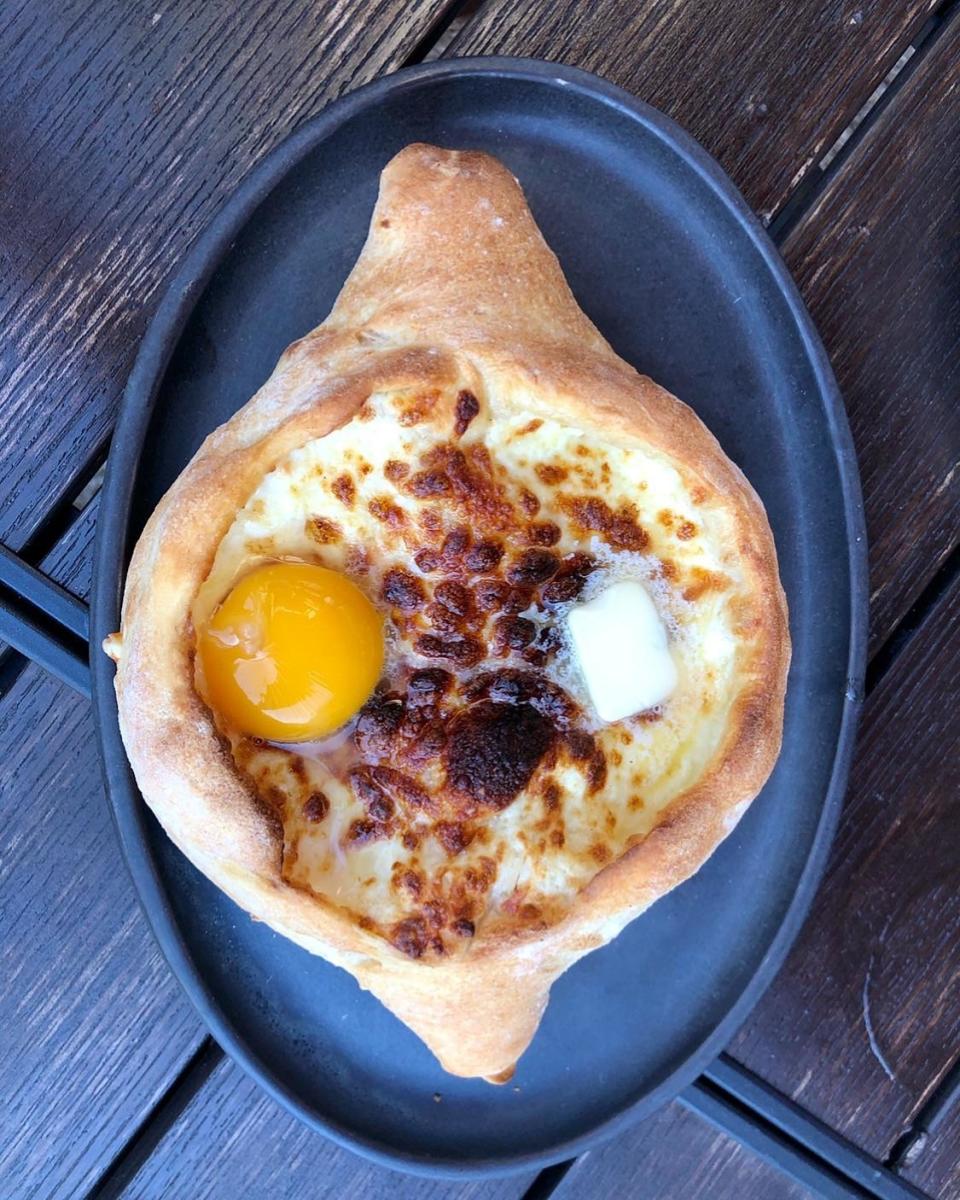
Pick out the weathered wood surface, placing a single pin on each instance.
(94, 1027)
(864, 1018)
(124, 130)
(767, 88)
(936, 1167)
(70, 562)
(676, 1156)
(234, 1141)
(877, 259)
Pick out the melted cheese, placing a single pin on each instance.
(360, 501)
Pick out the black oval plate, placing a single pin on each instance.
(666, 258)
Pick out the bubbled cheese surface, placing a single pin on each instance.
(479, 789)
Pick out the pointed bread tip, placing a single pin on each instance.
(454, 255)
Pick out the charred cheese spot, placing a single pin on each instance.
(316, 807)
(512, 633)
(414, 937)
(411, 881)
(544, 533)
(551, 473)
(427, 484)
(344, 489)
(395, 471)
(702, 581)
(430, 521)
(454, 836)
(533, 566)
(401, 589)
(463, 651)
(454, 597)
(356, 561)
(492, 751)
(412, 410)
(620, 529)
(455, 545)
(384, 509)
(484, 556)
(468, 406)
(427, 560)
(530, 427)
(323, 531)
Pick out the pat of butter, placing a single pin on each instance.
(622, 650)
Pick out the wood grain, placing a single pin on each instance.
(234, 1141)
(676, 1156)
(864, 1018)
(124, 129)
(70, 562)
(767, 88)
(94, 1028)
(878, 260)
(936, 1166)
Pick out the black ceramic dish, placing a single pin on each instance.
(665, 257)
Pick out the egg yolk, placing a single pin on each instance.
(291, 653)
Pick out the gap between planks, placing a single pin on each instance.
(158, 1122)
(807, 194)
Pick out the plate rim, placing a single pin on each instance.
(130, 813)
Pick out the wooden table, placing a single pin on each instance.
(124, 127)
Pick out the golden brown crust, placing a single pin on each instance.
(454, 287)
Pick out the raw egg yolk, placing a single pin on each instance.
(292, 652)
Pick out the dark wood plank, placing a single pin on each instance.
(877, 260)
(70, 562)
(862, 1021)
(676, 1155)
(936, 1166)
(766, 88)
(94, 1027)
(124, 129)
(233, 1140)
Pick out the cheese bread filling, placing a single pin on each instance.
(560, 620)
